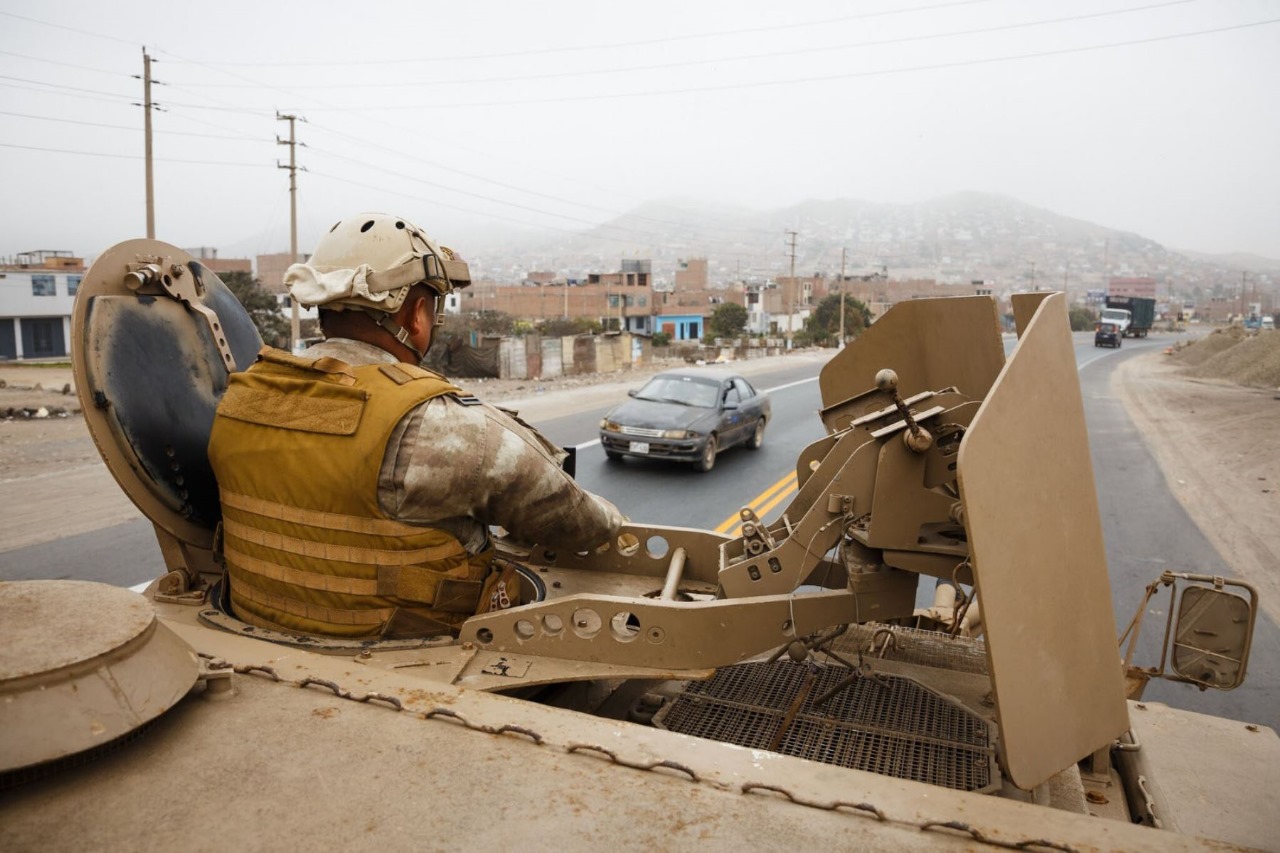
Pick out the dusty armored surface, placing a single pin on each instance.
(676, 687)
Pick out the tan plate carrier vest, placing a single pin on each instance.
(297, 447)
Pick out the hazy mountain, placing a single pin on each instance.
(1243, 261)
(955, 238)
(958, 238)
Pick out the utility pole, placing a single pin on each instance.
(790, 293)
(147, 107)
(1033, 276)
(292, 142)
(840, 290)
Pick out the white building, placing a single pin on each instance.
(37, 293)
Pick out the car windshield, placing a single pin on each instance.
(684, 390)
(1114, 314)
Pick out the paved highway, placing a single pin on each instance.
(1146, 529)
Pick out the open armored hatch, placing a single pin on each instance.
(797, 637)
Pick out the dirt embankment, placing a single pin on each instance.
(1210, 411)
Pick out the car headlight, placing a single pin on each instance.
(610, 426)
(678, 434)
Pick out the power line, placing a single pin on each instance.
(804, 51)
(544, 195)
(130, 127)
(46, 92)
(130, 42)
(438, 203)
(464, 192)
(616, 45)
(824, 78)
(498, 183)
(64, 64)
(132, 156)
(648, 236)
(854, 74)
(68, 88)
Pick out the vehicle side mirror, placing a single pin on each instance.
(729, 405)
(1211, 637)
(1207, 636)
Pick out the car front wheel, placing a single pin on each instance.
(757, 437)
(707, 460)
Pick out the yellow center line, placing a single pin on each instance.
(763, 502)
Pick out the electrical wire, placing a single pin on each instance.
(64, 64)
(820, 78)
(825, 22)
(808, 50)
(135, 156)
(244, 138)
(641, 234)
(432, 201)
(68, 88)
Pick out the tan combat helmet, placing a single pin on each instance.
(369, 263)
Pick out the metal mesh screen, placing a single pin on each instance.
(883, 724)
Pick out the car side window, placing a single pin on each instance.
(744, 388)
(732, 395)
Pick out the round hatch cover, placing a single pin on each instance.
(155, 335)
(82, 664)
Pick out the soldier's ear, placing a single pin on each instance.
(418, 311)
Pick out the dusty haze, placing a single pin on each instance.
(1151, 117)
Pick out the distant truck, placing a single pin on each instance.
(1133, 314)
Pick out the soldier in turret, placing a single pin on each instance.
(357, 487)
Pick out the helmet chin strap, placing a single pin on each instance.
(397, 331)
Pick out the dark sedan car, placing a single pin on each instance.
(686, 415)
(1108, 335)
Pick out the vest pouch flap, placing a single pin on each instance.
(295, 404)
(440, 592)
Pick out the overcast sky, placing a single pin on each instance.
(1161, 118)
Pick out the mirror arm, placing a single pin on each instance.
(1135, 624)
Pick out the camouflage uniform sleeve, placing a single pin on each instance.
(468, 464)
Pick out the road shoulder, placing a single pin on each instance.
(1218, 447)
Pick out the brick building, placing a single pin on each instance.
(271, 269)
(1141, 286)
(606, 301)
(209, 258)
(691, 274)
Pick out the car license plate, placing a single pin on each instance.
(639, 447)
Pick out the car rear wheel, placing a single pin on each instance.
(707, 460)
(757, 437)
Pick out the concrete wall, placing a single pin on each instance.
(533, 356)
(552, 357)
(511, 360)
